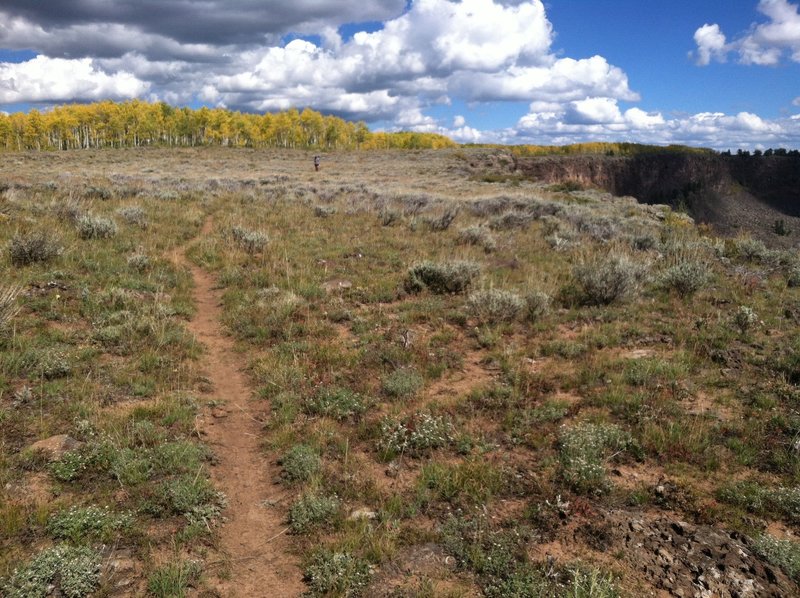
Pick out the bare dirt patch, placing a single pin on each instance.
(473, 374)
(253, 540)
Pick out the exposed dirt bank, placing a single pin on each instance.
(730, 192)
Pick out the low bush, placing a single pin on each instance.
(312, 511)
(537, 305)
(583, 449)
(324, 211)
(745, 319)
(79, 525)
(781, 553)
(250, 240)
(495, 305)
(609, 278)
(50, 363)
(763, 500)
(182, 494)
(751, 250)
(300, 463)
(389, 217)
(686, 277)
(442, 277)
(511, 220)
(443, 221)
(479, 236)
(95, 227)
(138, 262)
(793, 277)
(134, 215)
(499, 559)
(33, 247)
(402, 383)
(414, 436)
(338, 403)
(71, 571)
(332, 573)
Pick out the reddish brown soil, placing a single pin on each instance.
(255, 550)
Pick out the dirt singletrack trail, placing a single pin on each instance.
(256, 561)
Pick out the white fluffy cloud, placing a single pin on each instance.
(45, 79)
(598, 119)
(765, 43)
(711, 44)
(478, 50)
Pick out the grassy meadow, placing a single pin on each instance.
(472, 379)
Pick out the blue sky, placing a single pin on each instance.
(723, 74)
(650, 41)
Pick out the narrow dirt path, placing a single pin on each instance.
(253, 542)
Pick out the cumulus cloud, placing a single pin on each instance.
(478, 50)
(214, 22)
(605, 121)
(764, 44)
(593, 111)
(45, 79)
(231, 54)
(710, 44)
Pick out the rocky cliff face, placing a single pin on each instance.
(729, 192)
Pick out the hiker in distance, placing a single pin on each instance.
(316, 163)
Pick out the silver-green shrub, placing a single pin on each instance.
(441, 277)
(402, 383)
(745, 318)
(312, 510)
(537, 305)
(250, 240)
(608, 278)
(583, 449)
(134, 215)
(495, 305)
(781, 553)
(71, 571)
(331, 573)
(478, 236)
(33, 247)
(300, 463)
(414, 436)
(686, 276)
(95, 227)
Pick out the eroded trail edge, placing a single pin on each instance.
(255, 550)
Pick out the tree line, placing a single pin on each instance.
(778, 151)
(137, 123)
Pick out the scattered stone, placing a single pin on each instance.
(640, 354)
(55, 446)
(219, 413)
(338, 284)
(362, 514)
